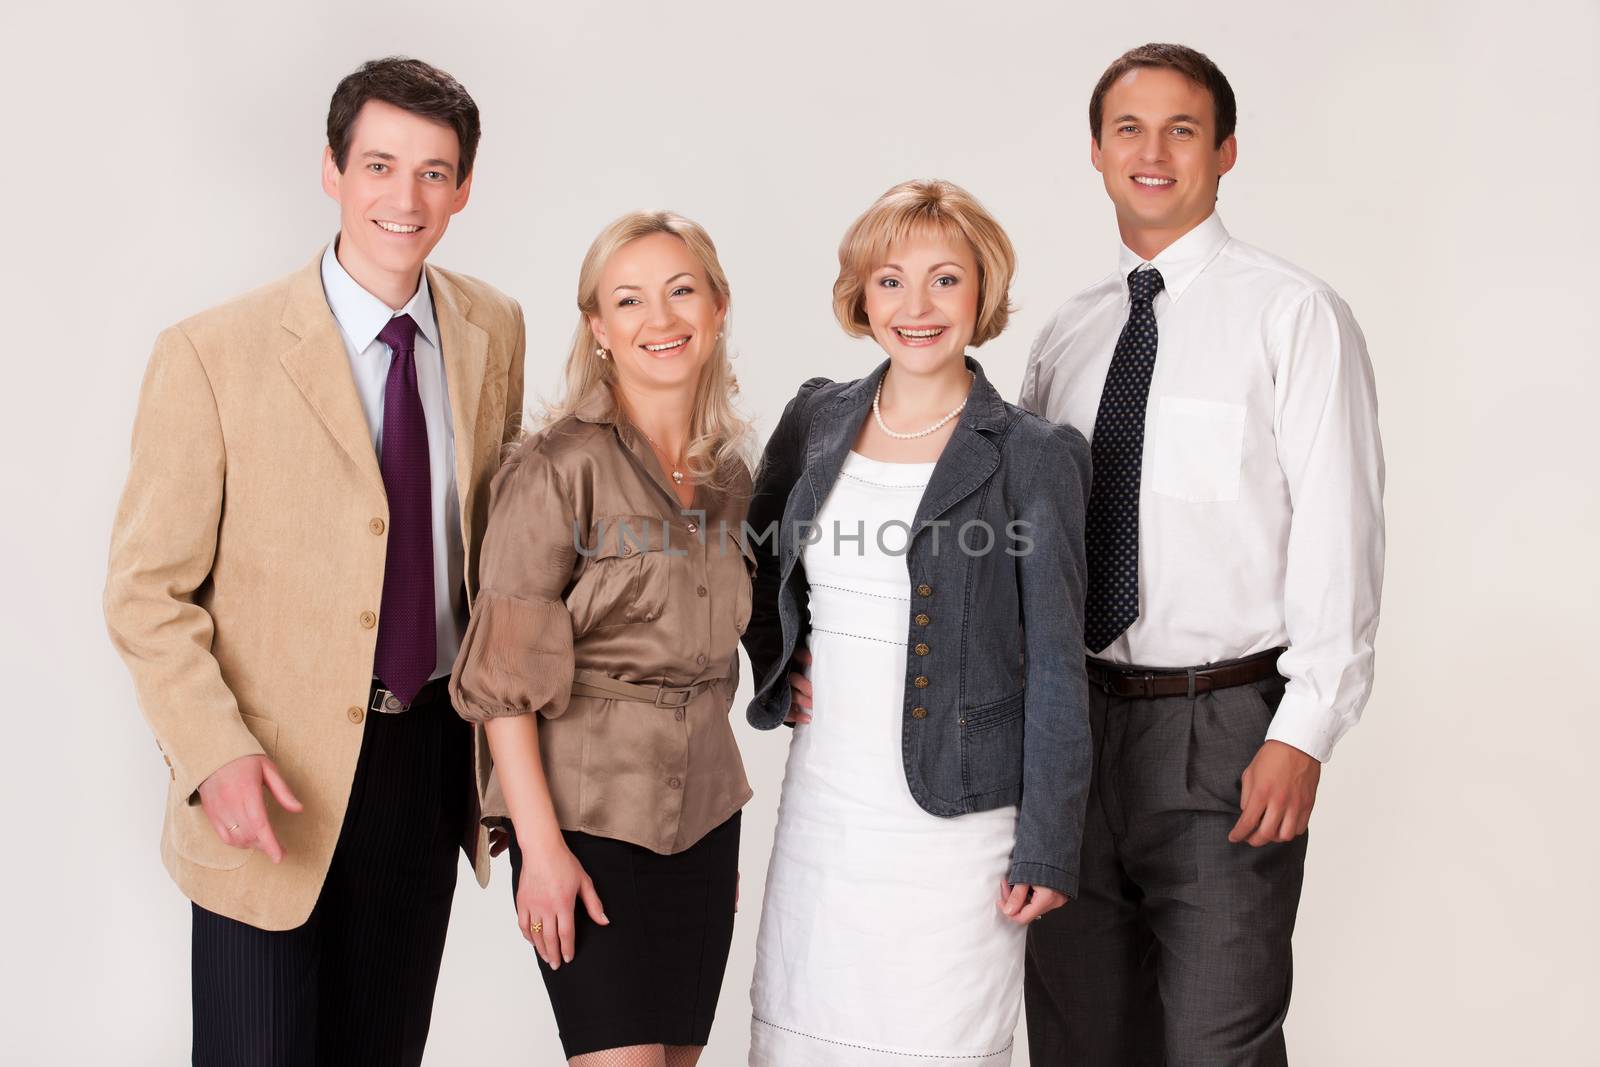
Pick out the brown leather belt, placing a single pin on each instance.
(595, 684)
(1127, 680)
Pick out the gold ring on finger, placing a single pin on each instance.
(536, 926)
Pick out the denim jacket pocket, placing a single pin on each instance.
(991, 745)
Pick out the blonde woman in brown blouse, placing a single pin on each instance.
(602, 655)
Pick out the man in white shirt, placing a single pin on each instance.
(1235, 548)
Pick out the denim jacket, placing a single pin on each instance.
(995, 710)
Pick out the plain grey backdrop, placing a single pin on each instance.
(1435, 162)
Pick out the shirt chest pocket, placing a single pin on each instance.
(1194, 448)
(627, 574)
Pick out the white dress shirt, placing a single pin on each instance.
(1261, 492)
(361, 317)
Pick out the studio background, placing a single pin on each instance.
(1434, 162)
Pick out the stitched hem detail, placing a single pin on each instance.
(886, 1051)
(860, 637)
(881, 485)
(858, 592)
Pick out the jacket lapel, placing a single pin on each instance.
(465, 347)
(969, 458)
(320, 369)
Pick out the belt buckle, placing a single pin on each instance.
(387, 703)
(685, 692)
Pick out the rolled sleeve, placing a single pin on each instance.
(516, 657)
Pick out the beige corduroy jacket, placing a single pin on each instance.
(247, 561)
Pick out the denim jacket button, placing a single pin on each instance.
(924, 589)
(922, 649)
(920, 681)
(919, 712)
(922, 618)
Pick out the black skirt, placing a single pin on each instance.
(653, 975)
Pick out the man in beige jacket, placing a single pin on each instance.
(289, 578)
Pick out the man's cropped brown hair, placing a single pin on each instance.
(411, 85)
(1195, 66)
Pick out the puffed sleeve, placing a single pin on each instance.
(516, 657)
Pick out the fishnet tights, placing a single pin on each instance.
(641, 1056)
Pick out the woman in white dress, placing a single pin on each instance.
(920, 627)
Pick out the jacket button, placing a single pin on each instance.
(924, 589)
(376, 526)
(355, 714)
(922, 649)
(675, 783)
(920, 681)
(368, 620)
(919, 712)
(922, 618)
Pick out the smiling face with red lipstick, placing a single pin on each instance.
(1158, 152)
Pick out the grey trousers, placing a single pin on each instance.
(1177, 950)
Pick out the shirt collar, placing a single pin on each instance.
(1181, 262)
(361, 315)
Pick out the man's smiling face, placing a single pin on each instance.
(1158, 155)
(397, 191)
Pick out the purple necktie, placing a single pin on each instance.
(407, 643)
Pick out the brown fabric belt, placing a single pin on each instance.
(595, 684)
(1127, 680)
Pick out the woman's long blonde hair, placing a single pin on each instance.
(717, 433)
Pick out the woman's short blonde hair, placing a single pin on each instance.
(920, 206)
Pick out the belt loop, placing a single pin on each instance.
(1148, 684)
(1191, 683)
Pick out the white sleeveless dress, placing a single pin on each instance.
(881, 943)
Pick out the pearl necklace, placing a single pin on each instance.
(877, 412)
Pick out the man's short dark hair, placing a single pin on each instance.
(411, 85)
(1195, 66)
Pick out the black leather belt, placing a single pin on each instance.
(386, 702)
(1128, 680)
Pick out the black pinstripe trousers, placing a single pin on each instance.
(354, 985)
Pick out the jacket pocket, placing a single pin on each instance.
(991, 745)
(626, 575)
(191, 832)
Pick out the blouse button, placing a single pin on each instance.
(675, 783)
(627, 550)
(376, 526)
(368, 620)
(922, 619)
(920, 681)
(924, 589)
(700, 590)
(679, 714)
(919, 712)
(922, 649)
(700, 659)
(691, 527)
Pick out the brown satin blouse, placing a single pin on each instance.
(591, 569)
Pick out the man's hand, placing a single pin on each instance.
(800, 702)
(233, 800)
(1279, 789)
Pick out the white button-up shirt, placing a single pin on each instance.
(1261, 492)
(361, 318)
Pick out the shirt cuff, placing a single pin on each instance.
(1306, 727)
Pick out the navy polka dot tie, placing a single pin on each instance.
(1111, 531)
